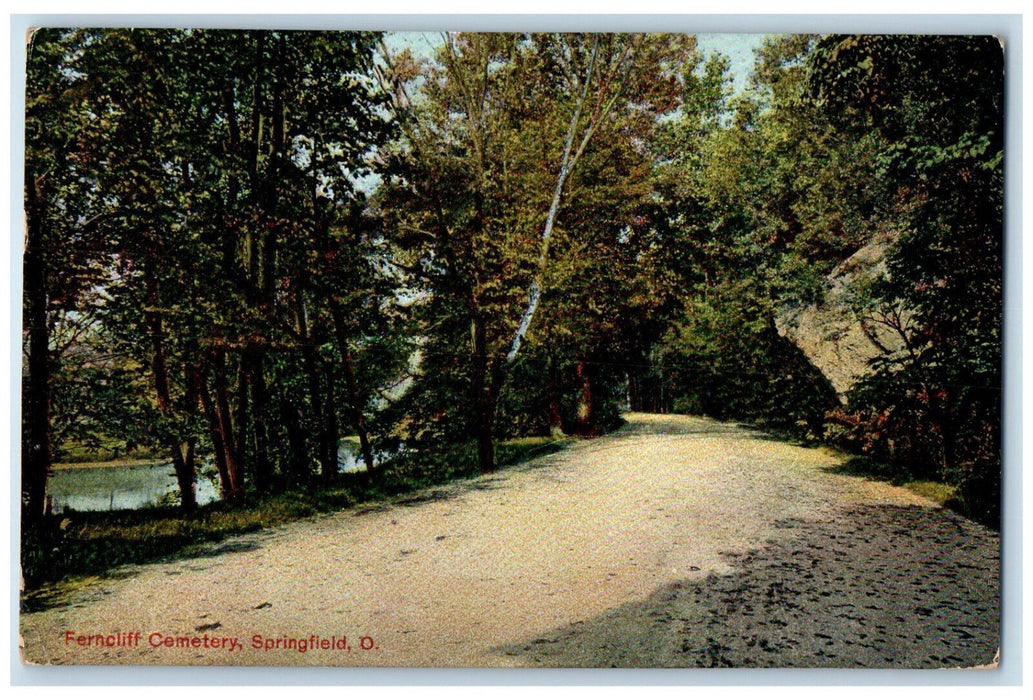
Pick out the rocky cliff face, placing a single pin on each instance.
(835, 335)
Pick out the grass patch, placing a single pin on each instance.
(941, 493)
(866, 467)
(126, 462)
(76, 547)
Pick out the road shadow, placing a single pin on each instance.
(866, 467)
(218, 549)
(877, 587)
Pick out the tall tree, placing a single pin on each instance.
(62, 259)
(494, 149)
(937, 102)
(219, 167)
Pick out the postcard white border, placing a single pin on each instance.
(1008, 27)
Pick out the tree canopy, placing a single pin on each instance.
(248, 248)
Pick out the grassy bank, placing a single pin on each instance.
(108, 463)
(865, 467)
(936, 491)
(76, 547)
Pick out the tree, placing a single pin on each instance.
(217, 172)
(758, 199)
(937, 103)
(495, 148)
(62, 262)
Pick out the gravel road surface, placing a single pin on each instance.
(674, 542)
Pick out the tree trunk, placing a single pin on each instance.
(271, 192)
(329, 436)
(234, 464)
(243, 418)
(217, 412)
(259, 417)
(299, 465)
(634, 390)
(484, 398)
(355, 402)
(36, 455)
(218, 442)
(585, 402)
(321, 403)
(555, 396)
(183, 459)
(485, 438)
(262, 263)
(182, 463)
(567, 164)
(943, 418)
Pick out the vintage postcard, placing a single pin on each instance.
(512, 349)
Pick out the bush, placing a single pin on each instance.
(926, 427)
(727, 360)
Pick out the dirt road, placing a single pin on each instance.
(676, 541)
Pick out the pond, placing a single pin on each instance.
(129, 486)
(140, 485)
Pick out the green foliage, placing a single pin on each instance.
(846, 142)
(562, 390)
(413, 470)
(212, 172)
(522, 170)
(937, 103)
(751, 212)
(246, 244)
(726, 359)
(101, 407)
(802, 191)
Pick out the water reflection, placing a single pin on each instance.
(121, 487)
(135, 486)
